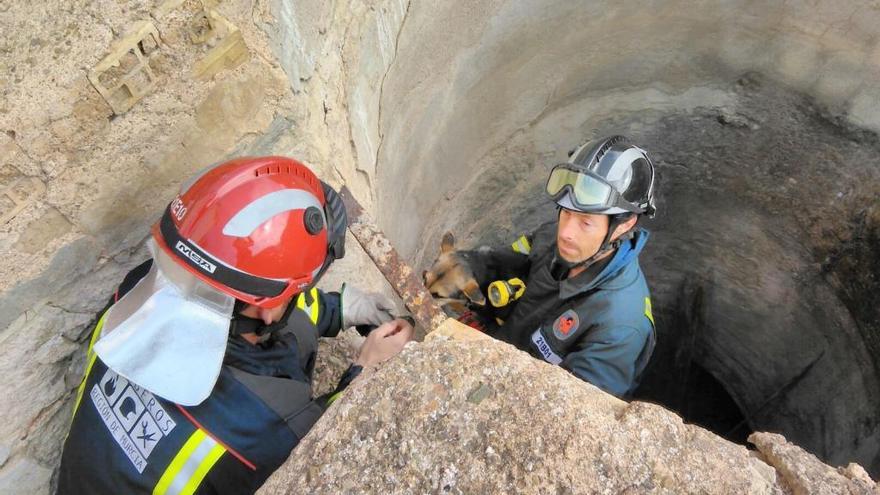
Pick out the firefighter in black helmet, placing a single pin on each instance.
(586, 305)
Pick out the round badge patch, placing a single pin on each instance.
(566, 325)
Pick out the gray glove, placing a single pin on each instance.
(364, 308)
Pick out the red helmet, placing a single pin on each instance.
(258, 229)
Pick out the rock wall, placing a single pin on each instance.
(483, 417)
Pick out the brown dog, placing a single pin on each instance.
(451, 277)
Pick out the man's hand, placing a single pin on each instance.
(384, 342)
(364, 308)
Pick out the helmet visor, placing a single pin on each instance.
(588, 190)
(168, 334)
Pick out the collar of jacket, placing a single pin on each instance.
(620, 272)
(278, 356)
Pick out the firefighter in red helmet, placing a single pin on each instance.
(198, 372)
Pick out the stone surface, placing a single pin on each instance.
(35, 388)
(24, 476)
(335, 355)
(482, 417)
(858, 474)
(805, 474)
(42, 231)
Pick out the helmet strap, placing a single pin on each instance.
(241, 324)
(281, 323)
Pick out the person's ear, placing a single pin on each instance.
(625, 227)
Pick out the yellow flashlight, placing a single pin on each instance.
(503, 292)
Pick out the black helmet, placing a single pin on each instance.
(608, 176)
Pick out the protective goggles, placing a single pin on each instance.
(168, 334)
(588, 191)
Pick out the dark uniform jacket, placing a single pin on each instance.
(124, 439)
(598, 324)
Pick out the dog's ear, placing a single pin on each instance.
(471, 290)
(429, 277)
(448, 243)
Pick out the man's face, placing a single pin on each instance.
(579, 235)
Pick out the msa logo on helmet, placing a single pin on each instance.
(194, 256)
(178, 209)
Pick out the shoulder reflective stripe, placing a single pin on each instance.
(189, 467)
(90, 359)
(311, 310)
(648, 312)
(333, 398)
(544, 348)
(522, 245)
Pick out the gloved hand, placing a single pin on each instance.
(364, 308)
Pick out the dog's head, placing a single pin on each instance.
(450, 276)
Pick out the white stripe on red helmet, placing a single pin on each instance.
(262, 209)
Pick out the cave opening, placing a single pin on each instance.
(701, 399)
(676, 379)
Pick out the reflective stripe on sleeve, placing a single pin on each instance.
(189, 467)
(648, 312)
(90, 360)
(333, 398)
(311, 310)
(522, 245)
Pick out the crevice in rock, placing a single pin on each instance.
(382, 86)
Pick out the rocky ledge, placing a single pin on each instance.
(479, 416)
